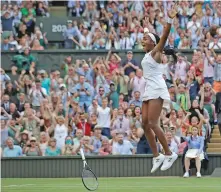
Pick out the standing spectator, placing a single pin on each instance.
(113, 96)
(121, 81)
(122, 147)
(82, 124)
(121, 123)
(37, 94)
(136, 99)
(130, 64)
(7, 21)
(69, 33)
(84, 92)
(208, 71)
(207, 19)
(126, 42)
(137, 83)
(4, 78)
(104, 117)
(181, 69)
(12, 150)
(31, 123)
(217, 72)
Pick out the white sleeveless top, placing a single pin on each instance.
(155, 83)
(60, 133)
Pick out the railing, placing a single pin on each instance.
(108, 166)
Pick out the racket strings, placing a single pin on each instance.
(89, 179)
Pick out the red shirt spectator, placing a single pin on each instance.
(83, 125)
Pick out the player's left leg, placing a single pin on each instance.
(154, 111)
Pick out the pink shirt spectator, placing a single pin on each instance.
(113, 66)
(208, 69)
(181, 147)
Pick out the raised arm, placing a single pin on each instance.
(160, 46)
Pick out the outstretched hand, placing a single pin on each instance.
(173, 11)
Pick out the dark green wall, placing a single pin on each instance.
(110, 166)
(52, 59)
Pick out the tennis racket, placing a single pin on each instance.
(89, 179)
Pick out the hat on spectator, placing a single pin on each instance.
(62, 85)
(32, 139)
(181, 85)
(69, 21)
(112, 84)
(25, 132)
(172, 85)
(130, 52)
(98, 127)
(42, 71)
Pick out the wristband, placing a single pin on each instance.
(169, 20)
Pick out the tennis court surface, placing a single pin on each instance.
(139, 184)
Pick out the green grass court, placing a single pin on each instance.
(139, 184)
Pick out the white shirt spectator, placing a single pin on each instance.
(137, 36)
(126, 43)
(104, 117)
(37, 96)
(217, 46)
(193, 26)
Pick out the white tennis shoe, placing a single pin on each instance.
(186, 175)
(198, 175)
(157, 161)
(168, 161)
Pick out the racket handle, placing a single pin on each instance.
(82, 154)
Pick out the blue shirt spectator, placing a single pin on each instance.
(84, 92)
(12, 150)
(122, 147)
(195, 142)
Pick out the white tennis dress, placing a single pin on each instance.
(155, 83)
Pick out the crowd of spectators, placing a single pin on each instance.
(114, 24)
(18, 25)
(120, 24)
(97, 105)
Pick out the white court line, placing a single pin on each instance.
(109, 187)
(24, 185)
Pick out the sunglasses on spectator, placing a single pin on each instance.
(33, 141)
(101, 90)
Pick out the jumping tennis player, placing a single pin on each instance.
(155, 93)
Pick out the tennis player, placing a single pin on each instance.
(155, 93)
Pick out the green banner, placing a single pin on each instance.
(54, 26)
